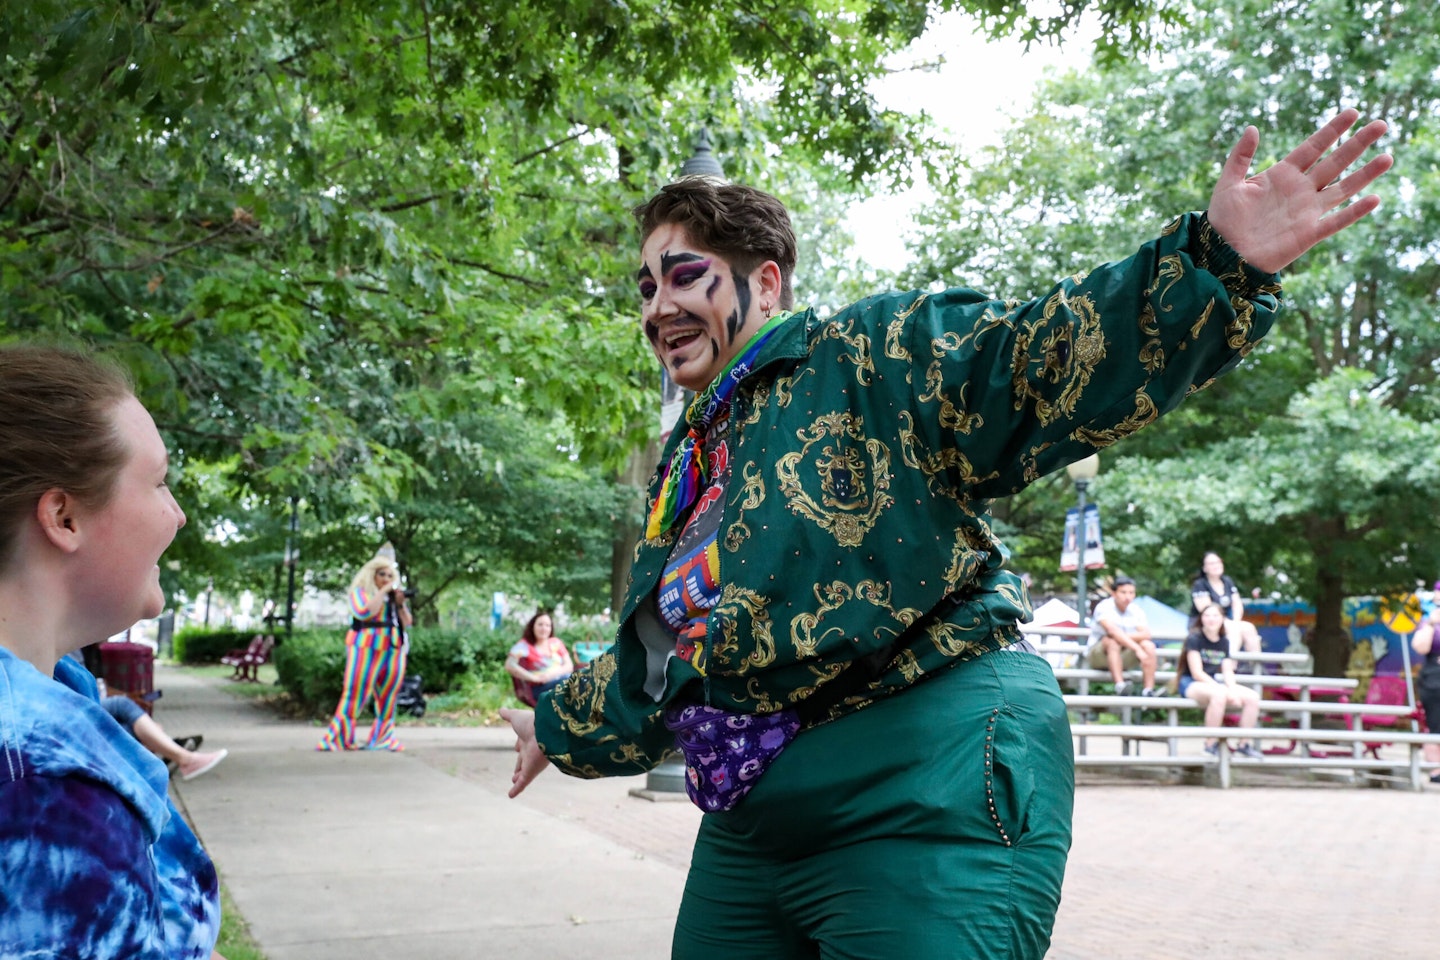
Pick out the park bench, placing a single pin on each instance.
(247, 662)
(586, 651)
(1408, 768)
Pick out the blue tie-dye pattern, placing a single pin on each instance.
(94, 860)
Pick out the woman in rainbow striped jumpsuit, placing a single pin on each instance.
(374, 657)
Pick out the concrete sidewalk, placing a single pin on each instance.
(421, 855)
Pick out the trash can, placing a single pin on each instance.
(129, 670)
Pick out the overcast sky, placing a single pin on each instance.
(980, 84)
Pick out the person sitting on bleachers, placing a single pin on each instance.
(1213, 587)
(1207, 676)
(1120, 639)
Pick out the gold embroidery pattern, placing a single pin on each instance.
(1198, 327)
(894, 335)
(859, 343)
(630, 753)
(1238, 331)
(581, 708)
(932, 465)
(759, 699)
(758, 400)
(847, 508)
(1171, 269)
(1069, 352)
(823, 675)
(1152, 351)
(949, 418)
(834, 595)
(665, 541)
(566, 762)
(967, 555)
(750, 495)
(735, 601)
(994, 318)
(1015, 593)
(908, 665)
(954, 639)
(785, 387)
(803, 637)
(894, 350)
(902, 315)
(1145, 413)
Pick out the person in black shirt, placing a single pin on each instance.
(1207, 676)
(1424, 643)
(1214, 587)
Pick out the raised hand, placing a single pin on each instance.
(1275, 216)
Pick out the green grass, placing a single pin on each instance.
(235, 942)
(475, 703)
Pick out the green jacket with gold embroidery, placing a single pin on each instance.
(865, 449)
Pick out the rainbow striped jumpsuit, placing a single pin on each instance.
(374, 664)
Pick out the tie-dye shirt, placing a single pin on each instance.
(95, 862)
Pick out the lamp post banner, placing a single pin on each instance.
(1094, 546)
(1070, 548)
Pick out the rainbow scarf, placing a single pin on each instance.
(689, 468)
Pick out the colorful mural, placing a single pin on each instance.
(1375, 625)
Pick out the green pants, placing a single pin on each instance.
(933, 825)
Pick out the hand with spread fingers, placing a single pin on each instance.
(1275, 216)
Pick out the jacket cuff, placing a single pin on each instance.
(1214, 254)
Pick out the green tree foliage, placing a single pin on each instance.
(316, 229)
(1308, 468)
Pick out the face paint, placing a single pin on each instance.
(742, 301)
(695, 307)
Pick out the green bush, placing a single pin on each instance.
(444, 656)
(311, 663)
(206, 645)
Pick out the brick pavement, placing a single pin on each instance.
(1159, 871)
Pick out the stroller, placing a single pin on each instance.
(411, 699)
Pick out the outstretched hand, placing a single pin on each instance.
(531, 760)
(1275, 216)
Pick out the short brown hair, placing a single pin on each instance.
(744, 225)
(56, 430)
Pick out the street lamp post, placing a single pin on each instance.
(292, 549)
(1082, 472)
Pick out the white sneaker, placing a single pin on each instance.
(1123, 688)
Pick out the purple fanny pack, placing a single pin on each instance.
(725, 753)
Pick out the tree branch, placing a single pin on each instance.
(100, 268)
(548, 147)
(532, 284)
(417, 202)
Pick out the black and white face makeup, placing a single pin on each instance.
(697, 311)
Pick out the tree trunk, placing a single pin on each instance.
(1329, 644)
(627, 527)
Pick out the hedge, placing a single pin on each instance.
(206, 645)
(311, 663)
